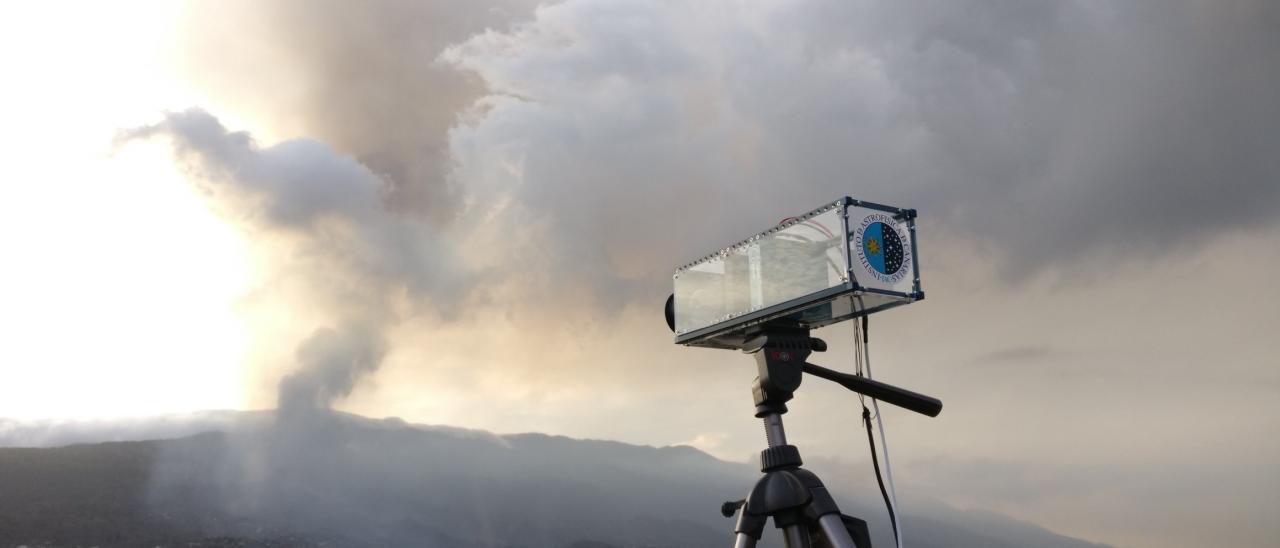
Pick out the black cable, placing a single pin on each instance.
(871, 440)
(875, 462)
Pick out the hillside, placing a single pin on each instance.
(348, 481)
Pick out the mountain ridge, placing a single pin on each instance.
(348, 480)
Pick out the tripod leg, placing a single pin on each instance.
(744, 541)
(796, 536)
(835, 532)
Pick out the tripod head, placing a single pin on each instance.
(781, 348)
(781, 352)
(793, 497)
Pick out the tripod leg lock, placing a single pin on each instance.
(730, 507)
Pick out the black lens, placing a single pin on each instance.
(671, 312)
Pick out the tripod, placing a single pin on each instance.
(797, 501)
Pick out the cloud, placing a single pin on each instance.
(1018, 355)
(594, 146)
(360, 77)
(1187, 503)
(1056, 134)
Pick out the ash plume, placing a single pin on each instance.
(351, 220)
(348, 267)
(335, 241)
(330, 362)
(361, 77)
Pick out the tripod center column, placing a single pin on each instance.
(773, 431)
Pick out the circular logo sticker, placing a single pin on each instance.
(882, 248)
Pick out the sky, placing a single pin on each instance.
(468, 213)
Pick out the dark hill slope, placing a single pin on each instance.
(96, 495)
(349, 481)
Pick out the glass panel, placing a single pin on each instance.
(804, 257)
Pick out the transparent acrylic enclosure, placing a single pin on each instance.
(804, 256)
(847, 259)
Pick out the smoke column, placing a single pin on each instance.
(346, 267)
(353, 260)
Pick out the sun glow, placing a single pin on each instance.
(119, 297)
(119, 287)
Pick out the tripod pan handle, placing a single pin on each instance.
(887, 393)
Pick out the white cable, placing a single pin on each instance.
(884, 448)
